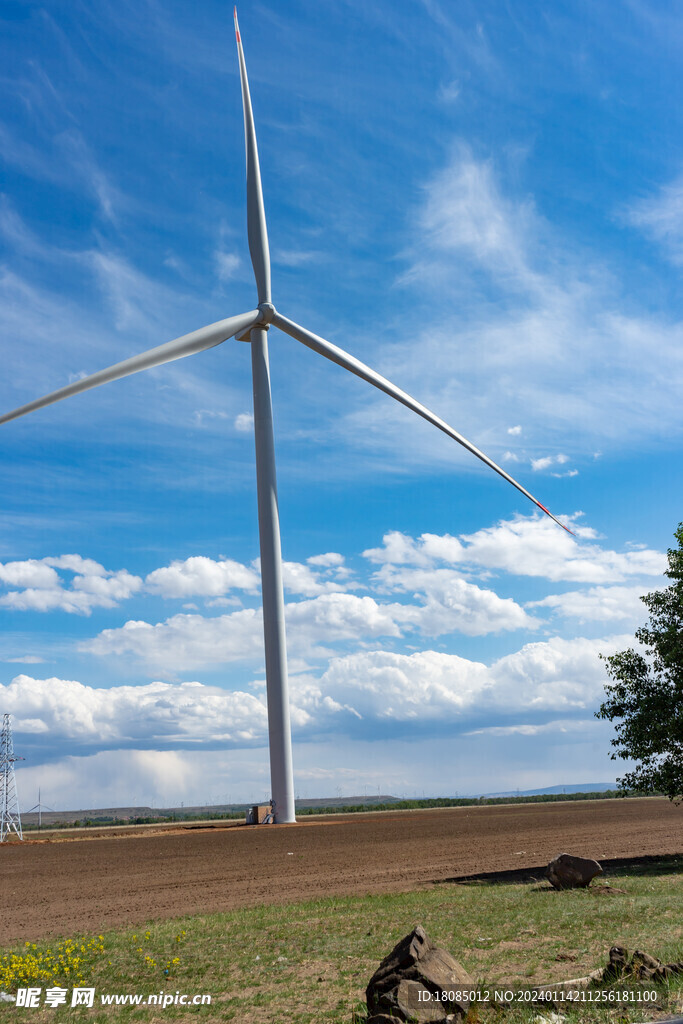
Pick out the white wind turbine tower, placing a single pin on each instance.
(253, 327)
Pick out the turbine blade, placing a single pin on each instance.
(349, 362)
(197, 341)
(256, 214)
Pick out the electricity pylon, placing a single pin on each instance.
(10, 819)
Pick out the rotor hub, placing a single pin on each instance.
(267, 311)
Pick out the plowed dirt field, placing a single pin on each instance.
(127, 877)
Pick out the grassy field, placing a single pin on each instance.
(309, 963)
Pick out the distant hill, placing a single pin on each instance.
(109, 815)
(134, 815)
(583, 787)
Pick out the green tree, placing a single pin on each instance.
(645, 696)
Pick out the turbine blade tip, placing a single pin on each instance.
(549, 513)
(237, 28)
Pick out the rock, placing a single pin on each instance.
(411, 981)
(618, 963)
(383, 1018)
(643, 966)
(568, 872)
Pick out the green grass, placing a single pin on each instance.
(309, 963)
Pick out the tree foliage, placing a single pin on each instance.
(645, 696)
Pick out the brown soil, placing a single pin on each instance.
(127, 877)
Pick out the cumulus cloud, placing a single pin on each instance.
(524, 546)
(549, 460)
(327, 560)
(544, 677)
(553, 460)
(91, 585)
(444, 603)
(383, 685)
(155, 713)
(201, 576)
(450, 604)
(301, 579)
(603, 604)
(375, 686)
(186, 642)
(31, 573)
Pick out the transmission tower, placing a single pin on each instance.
(10, 820)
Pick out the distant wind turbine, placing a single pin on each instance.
(253, 327)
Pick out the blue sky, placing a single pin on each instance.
(483, 202)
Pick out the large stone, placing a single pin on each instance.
(618, 963)
(418, 981)
(568, 872)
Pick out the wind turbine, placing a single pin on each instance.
(253, 327)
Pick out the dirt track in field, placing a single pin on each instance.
(127, 878)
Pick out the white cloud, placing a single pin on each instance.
(449, 604)
(449, 91)
(203, 417)
(301, 579)
(541, 678)
(551, 333)
(660, 217)
(549, 460)
(465, 211)
(244, 422)
(91, 586)
(336, 617)
(139, 303)
(524, 546)
(442, 603)
(201, 577)
(535, 547)
(549, 676)
(553, 675)
(149, 778)
(31, 573)
(382, 685)
(154, 713)
(77, 564)
(327, 560)
(185, 642)
(297, 257)
(515, 431)
(598, 604)
(582, 726)
(227, 264)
